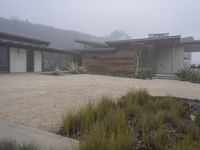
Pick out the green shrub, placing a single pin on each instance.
(145, 73)
(195, 76)
(187, 74)
(184, 74)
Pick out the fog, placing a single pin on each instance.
(100, 17)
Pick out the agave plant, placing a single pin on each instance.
(73, 68)
(57, 71)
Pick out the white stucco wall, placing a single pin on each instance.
(17, 60)
(178, 58)
(37, 61)
(170, 59)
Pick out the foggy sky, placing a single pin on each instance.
(100, 17)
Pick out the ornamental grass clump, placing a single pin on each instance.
(136, 120)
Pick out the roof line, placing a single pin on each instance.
(90, 42)
(144, 39)
(19, 45)
(8, 35)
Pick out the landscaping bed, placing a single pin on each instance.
(138, 121)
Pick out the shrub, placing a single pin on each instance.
(195, 76)
(145, 73)
(187, 74)
(193, 66)
(184, 74)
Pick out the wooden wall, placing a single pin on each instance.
(122, 60)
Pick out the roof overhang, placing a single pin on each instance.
(7, 36)
(191, 46)
(94, 43)
(168, 39)
(95, 50)
(32, 47)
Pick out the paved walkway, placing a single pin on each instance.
(43, 140)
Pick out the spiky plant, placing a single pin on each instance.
(73, 68)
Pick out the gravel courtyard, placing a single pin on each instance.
(41, 100)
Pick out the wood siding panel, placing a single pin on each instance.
(120, 61)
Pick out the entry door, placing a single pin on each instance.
(30, 60)
(164, 61)
(3, 59)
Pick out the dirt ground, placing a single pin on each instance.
(41, 100)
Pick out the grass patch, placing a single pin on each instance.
(135, 121)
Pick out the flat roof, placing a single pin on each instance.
(9, 36)
(176, 37)
(91, 42)
(26, 46)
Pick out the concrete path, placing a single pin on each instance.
(41, 139)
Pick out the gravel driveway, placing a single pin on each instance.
(41, 100)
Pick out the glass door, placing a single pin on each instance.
(3, 59)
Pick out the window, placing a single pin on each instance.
(94, 58)
(3, 59)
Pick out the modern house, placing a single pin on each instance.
(162, 53)
(22, 54)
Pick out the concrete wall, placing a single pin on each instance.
(178, 58)
(169, 59)
(17, 60)
(37, 61)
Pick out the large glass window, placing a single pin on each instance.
(3, 59)
(53, 60)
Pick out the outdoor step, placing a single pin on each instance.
(12, 131)
(165, 76)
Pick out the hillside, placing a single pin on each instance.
(59, 38)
